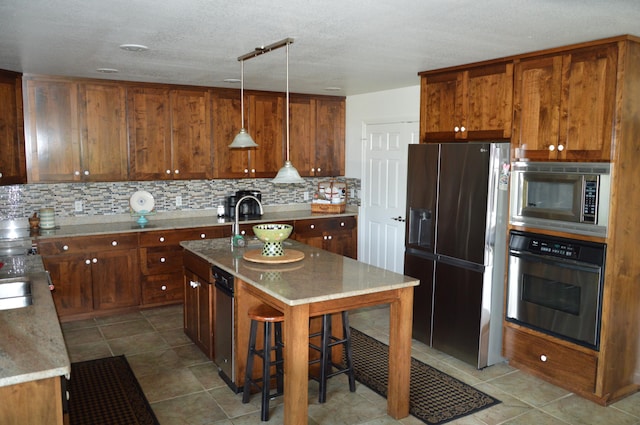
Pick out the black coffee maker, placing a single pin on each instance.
(249, 209)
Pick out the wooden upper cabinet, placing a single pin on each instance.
(149, 133)
(266, 124)
(330, 137)
(13, 169)
(169, 133)
(103, 132)
(191, 143)
(472, 104)
(228, 163)
(564, 105)
(264, 121)
(75, 131)
(317, 135)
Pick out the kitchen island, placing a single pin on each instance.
(322, 282)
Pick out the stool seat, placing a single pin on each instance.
(271, 319)
(265, 313)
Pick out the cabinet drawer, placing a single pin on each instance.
(174, 237)
(84, 244)
(159, 260)
(318, 226)
(162, 288)
(559, 363)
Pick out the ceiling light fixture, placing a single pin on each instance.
(107, 70)
(134, 47)
(242, 139)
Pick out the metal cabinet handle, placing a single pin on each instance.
(543, 358)
(168, 171)
(161, 239)
(87, 262)
(560, 148)
(552, 148)
(312, 226)
(203, 235)
(163, 287)
(94, 261)
(162, 260)
(176, 172)
(86, 172)
(114, 243)
(65, 248)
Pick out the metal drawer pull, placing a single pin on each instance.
(65, 248)
(163, 287)
(114, 243)
(161, 238)
(543, 358)
(162, 259)
(202, 236)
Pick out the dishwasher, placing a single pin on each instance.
(223, 336)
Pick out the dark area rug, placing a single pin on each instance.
(434, 396)
(106, 392)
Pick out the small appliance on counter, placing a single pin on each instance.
(249, 209)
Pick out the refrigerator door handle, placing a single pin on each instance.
(421, 253)
(456, 262)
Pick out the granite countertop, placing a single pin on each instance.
(165, 221)
(31, 343)
(319, 276)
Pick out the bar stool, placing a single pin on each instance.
(327, 342)
(272, 320)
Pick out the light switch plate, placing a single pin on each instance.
(78, 206)
(178, 201)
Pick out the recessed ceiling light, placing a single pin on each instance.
(231, 80)
(107, 70)
(134, 47)
(332, 88)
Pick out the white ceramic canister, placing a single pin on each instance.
(47, 218)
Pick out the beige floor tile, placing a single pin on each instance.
(190, 355)
(168, 384)
(119, 318)
(89, 351)
(232, 404)
(78, 324)
(577, 410)
(508, 408)
(174, 320)
(81, 336)
(537, 417)
(207, 374)
(140, 343)
(151, 362)
(123, 329)
(175, 337)
(194, 409)
(629, 404)
(529, 388)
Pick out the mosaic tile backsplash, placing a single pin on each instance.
(21, 201)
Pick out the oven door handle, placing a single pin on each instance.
(566, 262)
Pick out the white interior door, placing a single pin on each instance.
(384, 187)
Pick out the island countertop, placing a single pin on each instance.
(31, 343)
(319, 276)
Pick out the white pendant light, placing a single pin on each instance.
(242, 139)
(288, 173)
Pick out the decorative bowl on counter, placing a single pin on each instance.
(272, 235)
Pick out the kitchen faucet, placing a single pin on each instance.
(236, 227)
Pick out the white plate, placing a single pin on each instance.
(142, 201)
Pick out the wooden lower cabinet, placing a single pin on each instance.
(32, 402)
(567, 366)
(198, 302)
(336, 234)
(161, 261)
(92, 273)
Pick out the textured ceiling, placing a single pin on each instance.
(358, 45)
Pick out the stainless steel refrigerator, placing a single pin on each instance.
(457, 197)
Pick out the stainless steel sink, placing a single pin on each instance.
(15, 292)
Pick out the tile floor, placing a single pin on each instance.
(183, 386)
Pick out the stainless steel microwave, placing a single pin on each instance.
(565, 196)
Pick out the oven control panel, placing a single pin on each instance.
(557, 249)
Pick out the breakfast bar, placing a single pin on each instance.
(319, 283)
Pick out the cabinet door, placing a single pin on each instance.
(228, 163)
(266, 126)
(536, 104)
(115, 276)
(103, 132)
(52, 142)
(330, 138)
(71, 276)
(438, 106)
(191, 134)
(12, 161)
(487, 102)
(588, 102)
(302, 134)
(149, 133)
(191, 304)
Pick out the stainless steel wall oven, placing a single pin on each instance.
(555, 286)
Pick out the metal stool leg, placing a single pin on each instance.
(266, 372)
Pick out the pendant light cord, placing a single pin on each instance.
(242, 92)
(287, 109)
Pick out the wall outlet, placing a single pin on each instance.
(352, 193)
(178, 201)
(305, 196)
(78, 206)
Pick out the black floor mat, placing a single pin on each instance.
(434, 396)
(106, 392)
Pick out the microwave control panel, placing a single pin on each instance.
(590, 201)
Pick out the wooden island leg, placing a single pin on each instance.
(400, 322)
(296, 366)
